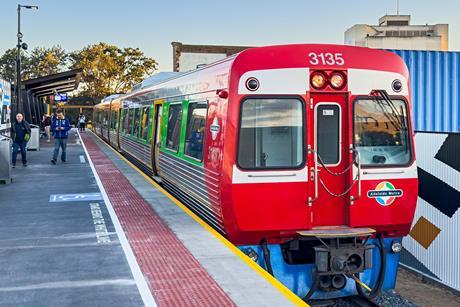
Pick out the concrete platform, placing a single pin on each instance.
(49, 253)
(90, 247)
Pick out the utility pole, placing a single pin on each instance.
(20, 46)
(18, 64)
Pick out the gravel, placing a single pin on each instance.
(386, 299)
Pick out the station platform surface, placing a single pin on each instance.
(95, 231)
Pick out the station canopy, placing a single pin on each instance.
(58, 83)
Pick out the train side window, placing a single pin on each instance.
(271, 134)
(127, 115)
(137, 123)
(114, 120)
(130, 121)
(174, 123)
(381, 133)
(196, 125)
(105, 119)
(124, 120)
(145, 123)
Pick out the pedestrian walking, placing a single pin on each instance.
(20, 133)
(60, 127)
(47, 126)
(81, 122)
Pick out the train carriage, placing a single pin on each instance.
(301, 155)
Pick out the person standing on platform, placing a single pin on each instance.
(47, 126)
(81, 122)
(60, 127)
(20, 133)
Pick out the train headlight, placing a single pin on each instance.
(252, 84)
(396, 247)
(337, 80)
(397, 85)
(318, 80)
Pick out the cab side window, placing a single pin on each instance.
(196, 125)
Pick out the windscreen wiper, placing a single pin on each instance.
(390, 103)
(388, 115)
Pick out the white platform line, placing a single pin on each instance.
(141, 283)
(82, 159)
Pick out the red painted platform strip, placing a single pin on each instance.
(174, 276)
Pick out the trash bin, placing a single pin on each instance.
(5, 159)
(34, 142)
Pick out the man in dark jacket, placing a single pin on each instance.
(18, 134)
(60, 127)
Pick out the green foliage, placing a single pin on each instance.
(8, 64)
(43, 61)
(38, 63)
(108, 69)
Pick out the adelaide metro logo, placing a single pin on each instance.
(385, 193)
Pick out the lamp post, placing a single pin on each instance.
(20, 46)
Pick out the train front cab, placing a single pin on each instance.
(325, 175)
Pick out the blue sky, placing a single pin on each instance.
(153, 25)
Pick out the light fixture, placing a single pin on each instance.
(337, 80)
(318, 80)
(252, 84)
(397, 85)
(396, 247)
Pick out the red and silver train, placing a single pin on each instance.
(301, 155)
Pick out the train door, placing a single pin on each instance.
(329, 140)
(156, 136)
(111, 119)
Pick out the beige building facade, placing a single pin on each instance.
(396, 32)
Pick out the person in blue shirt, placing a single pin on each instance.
(18, 134)
(60, 127)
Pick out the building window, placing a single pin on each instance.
(381, 132)
(196, 125)
(271, 134)
(174, 123)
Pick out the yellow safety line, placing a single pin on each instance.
(275, 283)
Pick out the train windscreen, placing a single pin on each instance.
(381, 133)
(271, 134)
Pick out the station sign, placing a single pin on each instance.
(5, 104)
(60, 97)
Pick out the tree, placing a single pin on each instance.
(47, 61)
(8, 64)
(107, 69)
(40, 62)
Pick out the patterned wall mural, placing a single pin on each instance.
(433, 244)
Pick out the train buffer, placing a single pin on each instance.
(96, 232)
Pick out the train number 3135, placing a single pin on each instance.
(326, 58)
